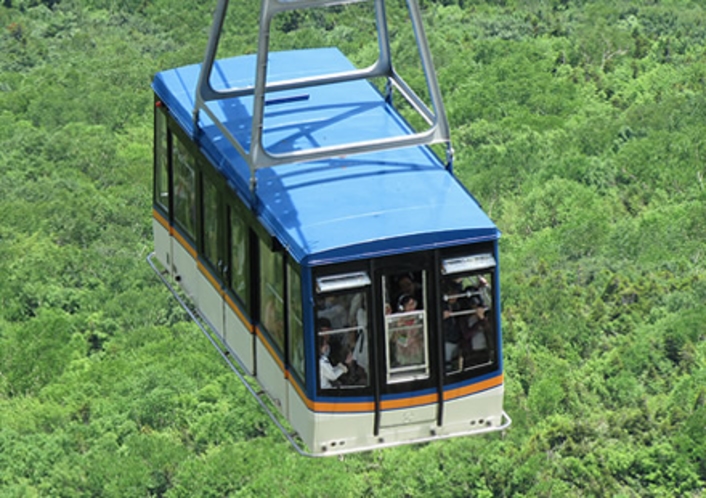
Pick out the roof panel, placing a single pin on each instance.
(340, 208)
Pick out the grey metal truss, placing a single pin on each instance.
(257, 156)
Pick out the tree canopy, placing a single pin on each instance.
(578, 125)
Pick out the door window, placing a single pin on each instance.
(406, 333)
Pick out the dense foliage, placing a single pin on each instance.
(578, 125)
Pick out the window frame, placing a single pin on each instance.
(482, 251)
(211, 249)
(191, 164)
(278, 337)
(366, 288)
(295, 330)
(411, 373)
(233, 212)
(162, 160)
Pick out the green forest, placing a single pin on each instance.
(579, 125)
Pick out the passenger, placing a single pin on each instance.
(476, 335)
(356, 375)
(349, 347)
(360, 352)
(406, 285)
(407, 338)
(331, 309)
(329, 373)
(406, 302)
(357, 302)
(478, 287)
(451, 325)
(478, 339)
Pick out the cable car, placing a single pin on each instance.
(323, 246)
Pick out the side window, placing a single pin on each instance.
(184, 188)
(342, 334)
(161, 184)
(272, 294)
(296, 327)
(239, 258)
(468, 323)
(210, 221)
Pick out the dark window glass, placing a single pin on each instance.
(210, 221)
(161, 183)
(296, 327)
(184, 188)
(272, 294)
(468, 327)
(239, 258)
(343, 340)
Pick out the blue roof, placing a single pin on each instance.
(335, 209)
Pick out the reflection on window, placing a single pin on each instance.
(162, 180)
(239, 258)
(271, 294)
(296, 328)
(343, 340)
(468, 328)
(184, 189)
(210, 222)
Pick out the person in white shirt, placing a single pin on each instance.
(329, 374)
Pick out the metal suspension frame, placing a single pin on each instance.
(257, 156)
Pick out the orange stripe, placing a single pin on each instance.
(173, 232)
(269, 348)
(301, 394)
(204, 271)
(160, 219)
(393, 404)
(474, 388)
(236, 310)
(369, 406)
(182, 241)
(363, 406)
(336, 406)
